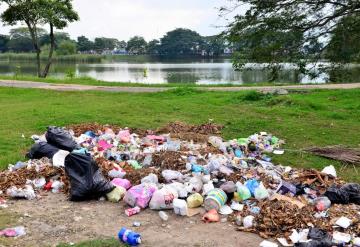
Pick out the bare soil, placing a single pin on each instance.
(53, 219)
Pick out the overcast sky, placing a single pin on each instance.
(151, 19)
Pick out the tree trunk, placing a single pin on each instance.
(52, 47)
(34, 38)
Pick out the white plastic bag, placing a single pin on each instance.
(163, 198)
(171, 175)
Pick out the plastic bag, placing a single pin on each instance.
(195, 200)
(26, 193)
(86, 179)
(171, 175)
(114, 173)
(228, 187)
(348, 193)
(180, 207)
(195, 184)
(163, 199)
(180, 189)
(248, 221)
(151, 178)
(116, 194)
(119, 182)
(42, 149)
(243, 192)
(322, 203)
(252, 185)
(140, 195)
(61, 138)
(261, 192)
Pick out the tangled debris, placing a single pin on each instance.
(203, 169)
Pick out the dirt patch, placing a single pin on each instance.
(58, 220)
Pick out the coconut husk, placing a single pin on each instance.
(343, 154)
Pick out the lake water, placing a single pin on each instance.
(204, 71)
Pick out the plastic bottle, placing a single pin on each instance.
(132, 211)
(129, 237)
(163, 216)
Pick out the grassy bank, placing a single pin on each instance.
(68, 58)
(315, 118)
(94, 82)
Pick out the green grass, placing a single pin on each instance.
(319, 118)
(59, 58)
(96, 243)
(94, 82)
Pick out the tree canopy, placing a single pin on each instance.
(54, 13)
(181, 42)
(136, 45)
(275, 31)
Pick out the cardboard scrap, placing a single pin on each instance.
(287, 199)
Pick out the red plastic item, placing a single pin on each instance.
(48, 186)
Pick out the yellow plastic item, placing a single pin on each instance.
(116, 194)
(195, 200)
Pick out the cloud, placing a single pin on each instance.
(123, 19)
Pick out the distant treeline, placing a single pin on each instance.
(183, 42)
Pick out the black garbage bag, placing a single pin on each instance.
(42, 149)
(348, 193)
(61, 138)
(86, 180)
(320, 238)
(353, 190)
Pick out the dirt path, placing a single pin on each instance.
(74, 87)
(53, 219)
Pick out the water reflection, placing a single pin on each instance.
(212, 71)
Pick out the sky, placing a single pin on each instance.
(151, 19)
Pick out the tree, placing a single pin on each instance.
(59, 37)
(153, 47)
(4, 39)
(276, 31)
(54, 13)
(20, 39)
(136, 45)
(214, 45)
(84, 44)
(102, 44)
(344, 46)
(66, 47)
(181, 42)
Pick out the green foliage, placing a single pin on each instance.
(181, 42)
(102, 44)
(344, 46)
(66, 48)
(84, 44)
(153, 47)
(4, 39)
(20, 39)
(55, 13)
(136, 45)
(292, 31)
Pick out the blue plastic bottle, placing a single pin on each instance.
(129, 237)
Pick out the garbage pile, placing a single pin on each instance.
(183, 168)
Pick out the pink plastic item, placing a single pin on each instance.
(139, 195)
(126, 184)
(156, 138)
(124, 136)
(103, 145)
